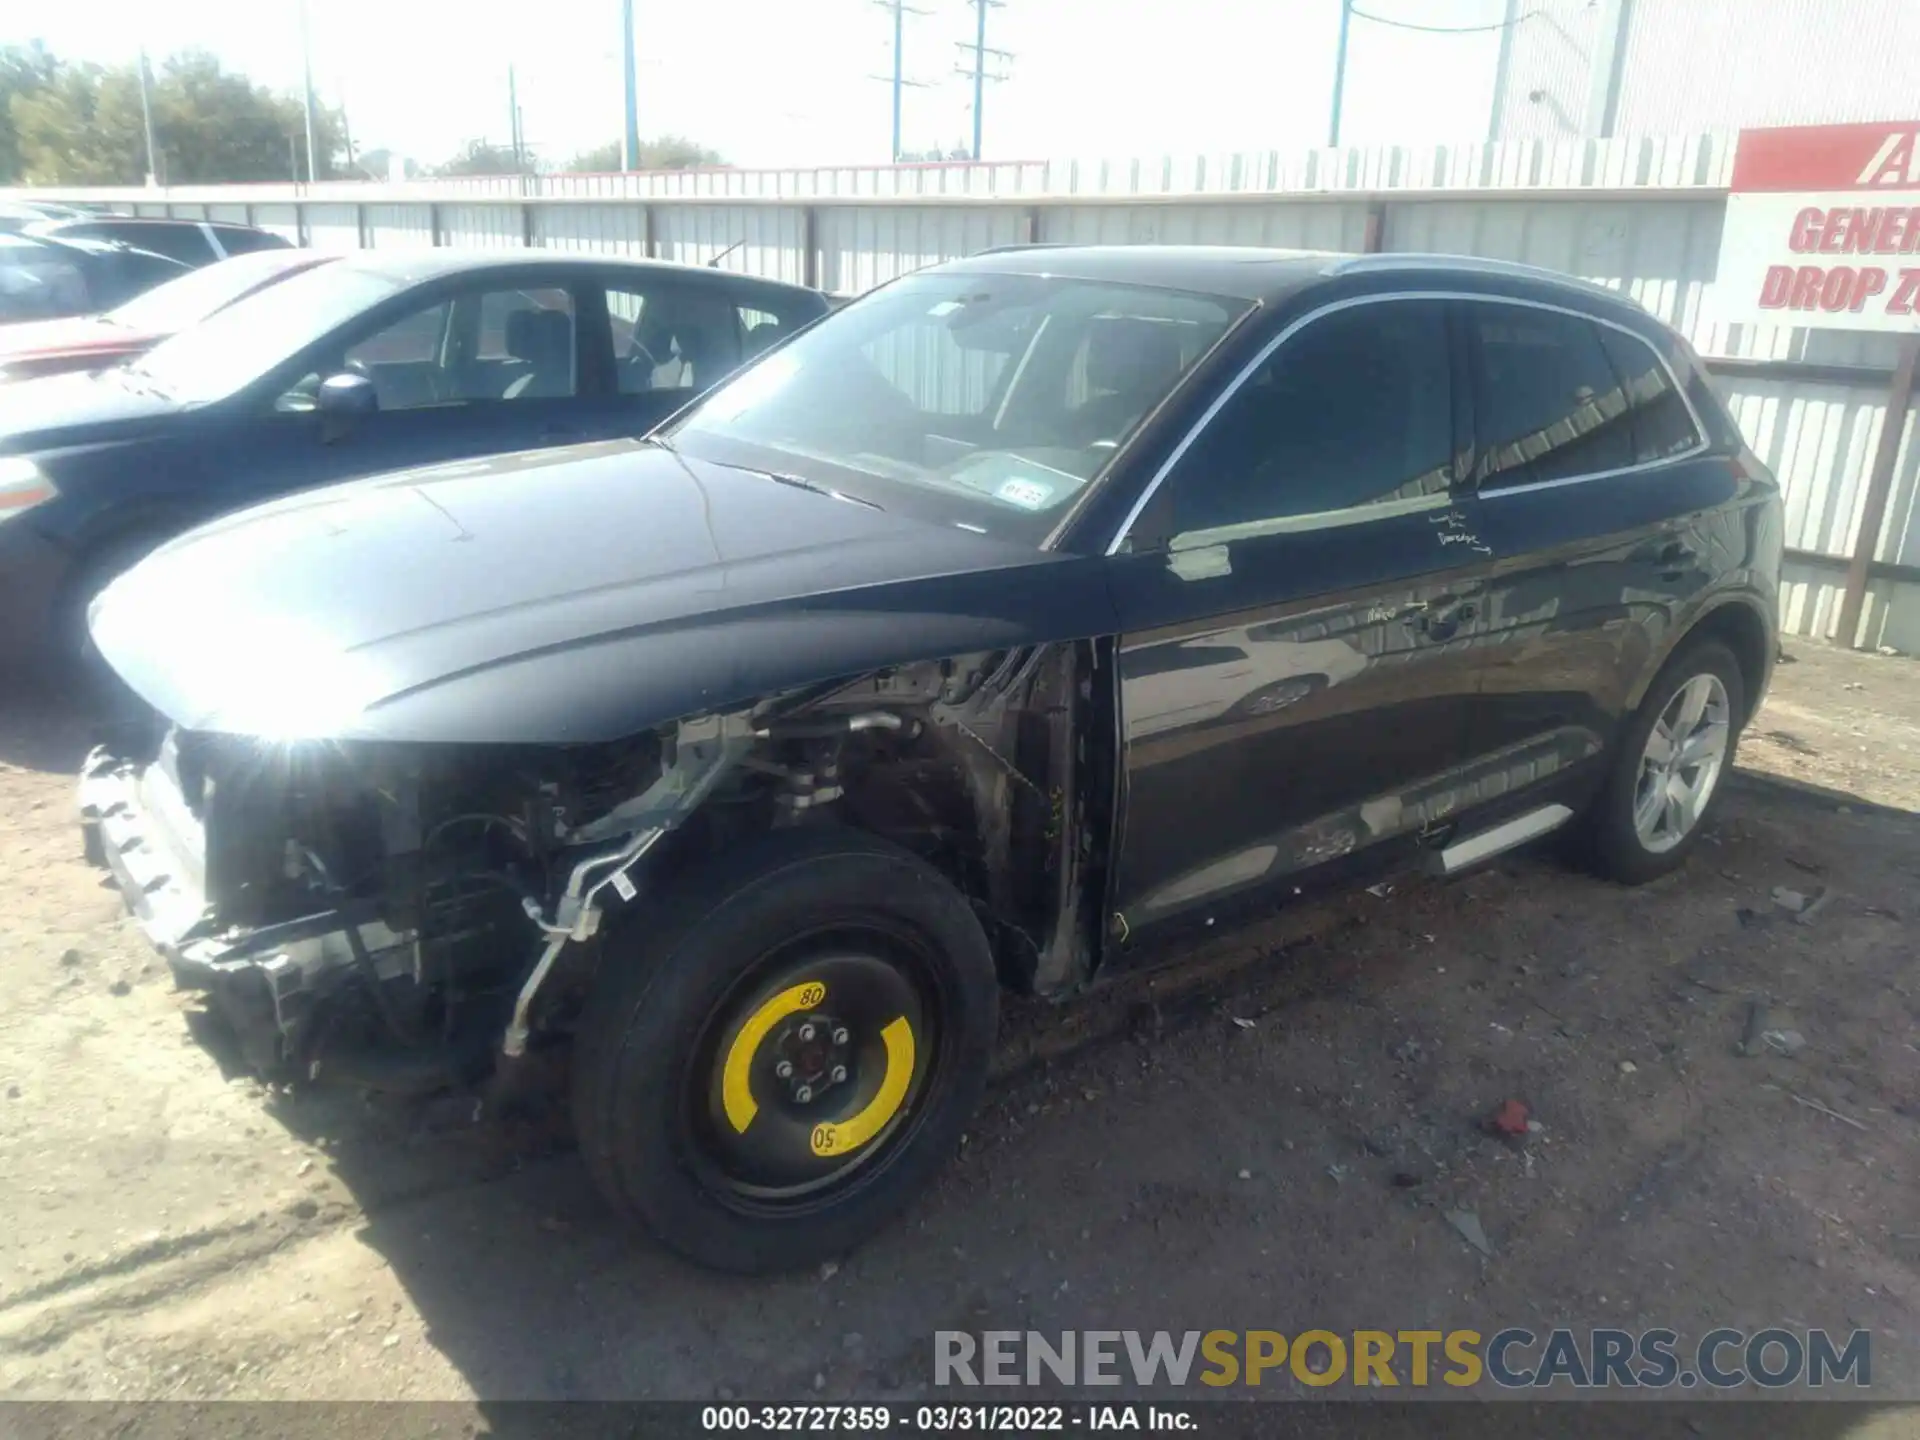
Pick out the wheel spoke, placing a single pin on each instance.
(1647, 808)
(1682, 808)
(1709, 742)
(1693, 703)
(1661, 743)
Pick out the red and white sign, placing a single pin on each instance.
(1823, 229)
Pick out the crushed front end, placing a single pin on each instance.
(369, 911)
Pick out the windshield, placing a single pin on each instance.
(197, 294)
(236, 346)
(991, 400)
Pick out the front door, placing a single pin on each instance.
(480, 367)
(1299, 601)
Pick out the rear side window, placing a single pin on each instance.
(175, 240)
(1353, 413)
(1550, 406)
(242, 239)
(1662, 425)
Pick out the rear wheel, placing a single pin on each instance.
(1670, 767)
(775, 1063)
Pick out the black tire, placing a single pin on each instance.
(681, 975)
(1614, 846)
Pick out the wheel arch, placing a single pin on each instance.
(1741, 623)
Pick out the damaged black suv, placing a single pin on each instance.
(992, 633)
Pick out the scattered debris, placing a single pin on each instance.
(304, 1166)
(1246, 1174)
(1792, 901)
(1814, 906)
(120, 987)
(1826, 1110)
(1509, 1119)
(1382, 890)
(1243, 1022)
(1534, 1127)
(1409, 1052)
(1468, 1224)
(829, 1269)
(1884, 912)
(1338, 1172)
(1627, 1067)
(392, 1340)
(1757, 1017)
(1812, 867)
(1784, 1042)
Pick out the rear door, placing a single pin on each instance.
(1299, 600)
(1599, 501)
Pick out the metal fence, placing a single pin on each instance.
(1642, 215)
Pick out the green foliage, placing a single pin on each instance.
(79, 124)
(24, 71)
(668, 152)
(483, 158)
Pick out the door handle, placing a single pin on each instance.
(1440, 622)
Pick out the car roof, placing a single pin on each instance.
(410, 267)
(1262, 275)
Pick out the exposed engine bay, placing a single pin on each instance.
(402, 915)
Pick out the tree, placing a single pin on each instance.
(24, 70)
(668, 152)
(83, 125)
(482, 157)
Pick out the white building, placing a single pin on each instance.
(1571, 68)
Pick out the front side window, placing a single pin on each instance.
(1551, 407)
(988, 401)
(472, 347)
(1354, 413)
(667, 337)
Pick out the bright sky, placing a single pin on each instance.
(788, 82)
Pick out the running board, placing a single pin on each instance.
(1514, 832)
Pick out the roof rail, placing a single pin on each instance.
(1416, 260)
(1023, 245)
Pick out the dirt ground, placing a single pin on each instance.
(1271, 1141)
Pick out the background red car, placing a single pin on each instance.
(92, 342)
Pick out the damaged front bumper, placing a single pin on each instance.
(265, 982)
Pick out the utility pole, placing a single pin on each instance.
(1339, 72)
(630, 135)
(306, 69)
(513, 119)
(977, 71)
(146, 121)
(899, 78)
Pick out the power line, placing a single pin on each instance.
(978, 72)
(1441, 29)
(898, 79)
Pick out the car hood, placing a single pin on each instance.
(40, 413)
(560, 596)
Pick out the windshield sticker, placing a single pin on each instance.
(945, 307)
(1024, 493)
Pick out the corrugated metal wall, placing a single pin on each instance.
(1693, 65)
(1653, 233)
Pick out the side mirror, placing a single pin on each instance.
(347, 396)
